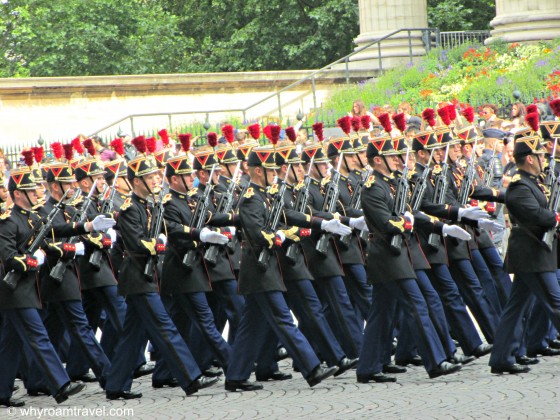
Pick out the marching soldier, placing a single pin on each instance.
(145, 312)
(22, 326)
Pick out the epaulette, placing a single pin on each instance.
(166, 198)
(369, 182)
(437, 169)
(5, 215)
(325, 180)
(192, 192)
(273, 189)
(299, 185)
(127, 203)
(77, 201)
(249, 193)
(515, 178)
(411, 173)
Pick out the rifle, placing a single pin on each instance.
(197, 221)
(355, 203)
(155, 227)
(420, 186)
(399, 205)
(57, 272)
(40, 230)
(106, 207)
(440, 190)
(329, 205)
(224, 206)
(550, 178)
(302, 197)
(468, 179)
(273, 219)
(553, 202)
(488, 176)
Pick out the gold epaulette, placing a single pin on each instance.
(515, 178)
(127, 203)
(192, 192)
(5, 215)
(369, 182)
(249, 193)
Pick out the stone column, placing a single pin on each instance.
(381, 17)
(526, 20)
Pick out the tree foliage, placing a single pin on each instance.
(461, 15)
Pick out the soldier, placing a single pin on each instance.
(266, 314)
(533, 264)
(4, 196)
(22, 327)
(145, 312)
(394, 280)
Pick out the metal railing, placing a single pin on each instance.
(430, 39)
(455, 38)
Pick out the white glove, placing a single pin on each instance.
(162, 238)
(232, 230)
(280, 237)
(490, 225)
(456, 232)
(206, 235)
(473, 213)
(408, 215)
(358, 223)
(113, 234)
(334, 226)
(40, 257)
(102, 223)
(80, 248)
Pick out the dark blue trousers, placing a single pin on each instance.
(406, 345)
(340, 314)
(266, 314)
(526, 287)
(225, 292)
(487, 318)
(303, 301)
(496, 265)
(458, 318)
(23, 331)
(358, 288)
(378, 332)
(145, 313)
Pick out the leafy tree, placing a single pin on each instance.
(461, 15)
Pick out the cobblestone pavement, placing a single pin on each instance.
(472, 393)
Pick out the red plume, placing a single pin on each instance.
(185, 140)
(118, 146)
(532, 120)
(291, 134)
(28, 157)
(400, 122)
(429, 116)
(345, 124)
(151, 144)
(68, 151)
(275, 134)
(452, 111)
(227, 132)
(555, 106)
(77, 145)
(267, 132)
(140, 144)
(444, 115)
(56, 148)
(164, 137)
(468, 113)
(255, 131)
(356, 123)
(385, 121)
(365, 121)
(212, 139)
(88, 144)
(532, 109)
(318, 130)
(38, 153)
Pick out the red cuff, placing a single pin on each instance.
(490, 207)
(407, 225)
(303, 232)
(160, 247)
(557, 219)
(474, 203)
(31, 263)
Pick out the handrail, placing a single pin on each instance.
(311, 76)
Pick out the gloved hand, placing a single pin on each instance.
(334, 226)
(113, 234)
(473, 213)
(410, 219)
(358, 223)
(456, 232)
(206, 235)
(102, 223)
(80, 248)
(490, 225)
(162, 238)
(39, 257)
(232, 230)
(280, 238)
